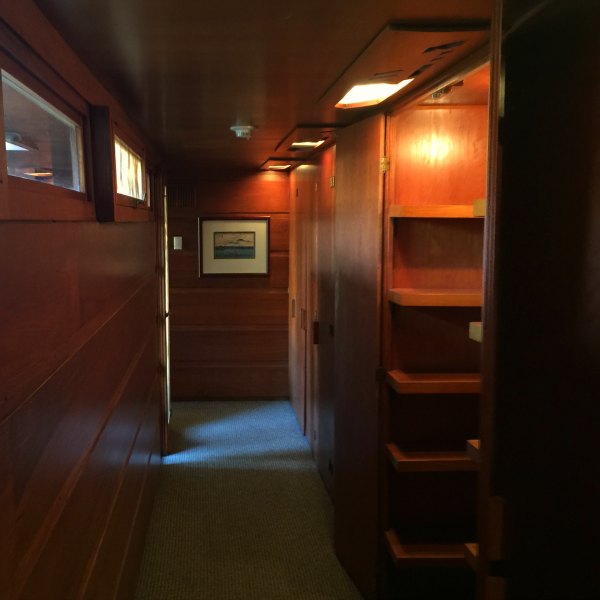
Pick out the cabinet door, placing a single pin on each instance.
(357, 239)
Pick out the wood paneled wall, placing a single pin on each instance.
(229, 335)
(80, 389)
(79, 419)
(358, 247)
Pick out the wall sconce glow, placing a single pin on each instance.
(370, 94)
(306, 145)
(279, 167)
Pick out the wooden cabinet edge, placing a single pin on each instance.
(405, 462)
(423, 555)
(433, 383)
(435, 297)
(476, 210)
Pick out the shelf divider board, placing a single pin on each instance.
(479, 207)
(473, 450)
(434, 383)
(435, 297)
(475, 331)
(424, 555)
(433, 211)
(405, 462)
(471, 552)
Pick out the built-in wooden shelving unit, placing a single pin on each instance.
(437, 211)
(475, 331)
(409, 461)
(433, 285)
(434, 383)
(424, 555)
(435, 297)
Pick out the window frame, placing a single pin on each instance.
(23, 199)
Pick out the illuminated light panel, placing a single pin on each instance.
(14, 147)
(305, 145)
(370, 94)
(279, 167)
(40, 174)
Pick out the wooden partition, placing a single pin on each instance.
(545, 462)
(229, 334)
(357, 243)
(80, 387)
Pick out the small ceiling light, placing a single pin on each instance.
(279, 167)
(306, 145)
(242, 131)
(14, 143)
(370, 94)
(40, 174)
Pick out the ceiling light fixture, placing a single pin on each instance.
(370, 94)
(242, 131)
(279, 167)
(306, 145)
(14, 143)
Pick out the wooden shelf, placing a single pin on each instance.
(438, 211)
(473, 450)
(435, 297)
(434, 383)
(475, 331)
(405, 462)
(424, 555)
(471, 554)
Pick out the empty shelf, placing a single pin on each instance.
(475, 331)
(435, 297)
(424, 555)
(434, 211)
(451, 460)
(434, 383)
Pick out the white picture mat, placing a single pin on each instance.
(233, 266)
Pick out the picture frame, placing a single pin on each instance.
(233, 246)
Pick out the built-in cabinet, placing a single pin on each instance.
(433, 261)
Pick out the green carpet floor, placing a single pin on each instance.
(240, 513)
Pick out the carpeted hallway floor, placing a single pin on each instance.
(241, 513)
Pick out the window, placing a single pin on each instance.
(130, 171)
(42, 143)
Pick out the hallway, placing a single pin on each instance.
(240, 511)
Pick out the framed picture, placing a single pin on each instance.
(233, 246)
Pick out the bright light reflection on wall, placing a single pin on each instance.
(431, 149)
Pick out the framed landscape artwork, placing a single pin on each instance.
(233, 246)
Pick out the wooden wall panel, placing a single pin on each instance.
(229, 333)
(434, 147)
(546, 389)
(78, 370)
(358, 249)
(62, 436)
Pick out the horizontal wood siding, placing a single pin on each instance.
(229, 334)
(80, 388)
(66, 435)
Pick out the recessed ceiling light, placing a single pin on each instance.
(15, 143)
(279, 167)
(306, 145)
(370, 94)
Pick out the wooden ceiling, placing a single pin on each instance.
(188, 70)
